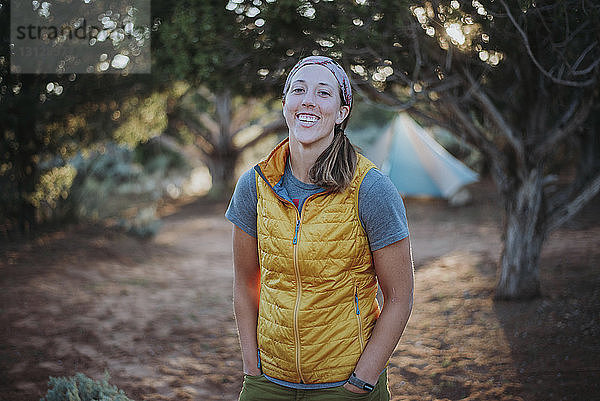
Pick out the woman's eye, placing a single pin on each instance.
(324, 93)
(297, 90)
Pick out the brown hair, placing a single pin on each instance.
(335, 166)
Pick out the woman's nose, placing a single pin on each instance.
(308, 99)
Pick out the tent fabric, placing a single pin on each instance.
(416, 163)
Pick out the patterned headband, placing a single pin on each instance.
(332, 66)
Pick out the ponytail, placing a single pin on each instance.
(334, 168)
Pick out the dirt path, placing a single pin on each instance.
(157, 314)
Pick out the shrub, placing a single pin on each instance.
(122, 187)
(82, 388)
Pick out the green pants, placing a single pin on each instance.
(259, 388)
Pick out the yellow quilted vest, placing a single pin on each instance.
(318, 285)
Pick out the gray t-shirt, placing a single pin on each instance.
(380, 207)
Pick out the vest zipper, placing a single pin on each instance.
(298, 296)
(358, 319)
(295, 240)
(298, 288)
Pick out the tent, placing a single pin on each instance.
(417, 164)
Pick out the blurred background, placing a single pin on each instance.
(115, 256)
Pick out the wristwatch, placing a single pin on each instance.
(363, 385)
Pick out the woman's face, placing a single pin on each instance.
(312, 106)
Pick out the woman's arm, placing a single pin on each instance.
(246, 290)
(394, 269)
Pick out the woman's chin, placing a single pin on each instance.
(309, 139)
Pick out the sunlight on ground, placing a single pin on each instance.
(157, 314)
(453, 342)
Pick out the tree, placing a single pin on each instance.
(45, 117)
(515, 80)
(525, 81)
(227, 105)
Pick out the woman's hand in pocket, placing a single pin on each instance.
(354, 389)
(252, 372)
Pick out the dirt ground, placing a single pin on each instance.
(157, 314)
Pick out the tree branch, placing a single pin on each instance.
(496, 116)
(273, 127)
(497, 159)
(580, 59)
(367, 91)
(569, 122)
(477, 137)
(203, 145)
(263, 122)
(561, 214)
(196, 130)
(209, 123)
(447, 83)
(418, 59)
(589, 82)
(241, 113)
(181, 113)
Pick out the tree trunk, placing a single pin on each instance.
(26, 169)
(222, 171)
(222, 161)
(524, 235)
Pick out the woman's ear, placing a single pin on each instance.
(343, 113)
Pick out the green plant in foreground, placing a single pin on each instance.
(82, 388)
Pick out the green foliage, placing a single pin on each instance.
(120, 186)
(82, 388)
(141, 119)
(156, 158)
(52, 189)
(230, 79)
(201, 42)
(46, 117)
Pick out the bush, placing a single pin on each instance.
(122, 187)
(82, 388)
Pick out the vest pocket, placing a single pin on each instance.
(358, 319)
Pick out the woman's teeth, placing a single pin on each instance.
(307, 118)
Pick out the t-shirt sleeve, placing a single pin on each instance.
(242, 207)
(381, 210)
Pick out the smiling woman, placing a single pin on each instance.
(316, 228)
(318, 98)
(312, 109)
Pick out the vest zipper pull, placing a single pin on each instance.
(259, 365)
(356, 300)
(296, 233)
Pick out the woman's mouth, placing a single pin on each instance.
(307, 120)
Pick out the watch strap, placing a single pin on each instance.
(363, 385)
